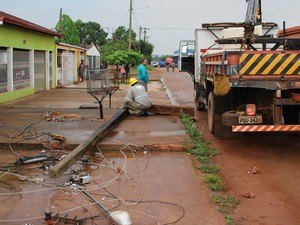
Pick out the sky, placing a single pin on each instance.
(167, 21)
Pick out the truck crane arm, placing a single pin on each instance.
(254, 13)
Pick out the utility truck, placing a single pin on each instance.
(246, 77)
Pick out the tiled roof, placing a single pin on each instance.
(290, 31)
(9, 19)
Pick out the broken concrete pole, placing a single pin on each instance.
(89, 143)
(171, 110)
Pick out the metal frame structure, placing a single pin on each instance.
(102, 83)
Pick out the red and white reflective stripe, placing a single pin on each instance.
(266, 128)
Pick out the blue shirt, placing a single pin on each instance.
(142, 73)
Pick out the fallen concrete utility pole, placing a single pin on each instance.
(171, 110)
(89, 143)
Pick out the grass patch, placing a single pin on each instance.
(202, 150)
(229, 220)
(213, 169)
(214, 182)
(225, 203)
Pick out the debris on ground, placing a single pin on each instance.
(85, 179)
(255, 170)
(52, 220)
(32, 159)
(56, 141)
(58, 137)
(53, 116)
(249, 195)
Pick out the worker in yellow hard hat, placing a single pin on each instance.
(137, 98)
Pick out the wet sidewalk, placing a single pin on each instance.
(154, 187)
(68, 120)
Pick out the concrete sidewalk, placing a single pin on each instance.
(77, 124)
(180, 88)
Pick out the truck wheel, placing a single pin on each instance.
(200, 106)
(230, 118)
(215, 125)
(211, 112)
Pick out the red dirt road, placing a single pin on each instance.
(276, 187)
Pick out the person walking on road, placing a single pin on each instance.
(137, 98)
(169, 62)
(122, 74)
(143, 77)
(81, 71)
(173, 66)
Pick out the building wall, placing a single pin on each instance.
(15, 37)
(78, 54)
(18, 38)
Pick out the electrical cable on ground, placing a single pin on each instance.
(104, 185)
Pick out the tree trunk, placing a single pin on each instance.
(127, 69)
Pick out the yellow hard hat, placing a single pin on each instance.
(133, 81)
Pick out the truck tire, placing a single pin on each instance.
(200, 106)
(211, 112)
(214, 118)
(230, 118)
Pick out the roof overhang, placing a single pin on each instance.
(65, 46)
(12, 20)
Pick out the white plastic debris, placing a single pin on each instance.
(85, 179)
(121, 218)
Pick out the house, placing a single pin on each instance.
(93, 57)
(68, 60)
(27, 58)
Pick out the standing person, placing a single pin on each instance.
(169, 62)
(143, 77)
(81, 70)
(173, 67)
(137, 98)
(122, 73)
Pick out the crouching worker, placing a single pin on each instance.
(137, 98)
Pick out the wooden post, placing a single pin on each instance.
(89, 143)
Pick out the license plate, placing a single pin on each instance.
(250, 119)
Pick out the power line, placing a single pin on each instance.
(161, 28)
(136, 20)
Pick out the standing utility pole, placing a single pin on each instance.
(145, 34)
(60, 14)
(140, 33)
(130, 25)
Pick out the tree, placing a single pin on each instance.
(146, 49)
(112, 46)
(91, 32)
(124, 57)
(164, 57)
(67, 27)
(121, 33)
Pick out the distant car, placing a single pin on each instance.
(161, 64)
(154, 64)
